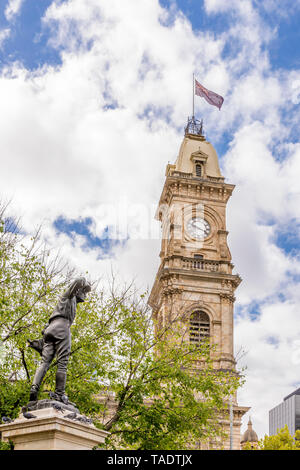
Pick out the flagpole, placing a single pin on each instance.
(193, 95)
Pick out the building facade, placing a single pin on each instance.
(195, 278)
(287, 412)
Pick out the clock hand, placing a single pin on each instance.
(195, 223)
(199, 226)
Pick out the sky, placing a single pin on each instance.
(94, 98)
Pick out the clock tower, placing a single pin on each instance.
(195, 276)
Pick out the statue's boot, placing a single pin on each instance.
(39, 375)
(34, 393)
(60, 385)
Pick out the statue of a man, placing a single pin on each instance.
(57, 339)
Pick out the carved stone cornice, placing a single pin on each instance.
(185, 185)
(170, 291)
(227, 297)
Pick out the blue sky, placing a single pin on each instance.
(82, 227)
(94, 98)
(28, 40)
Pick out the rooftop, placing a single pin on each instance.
(295, 392)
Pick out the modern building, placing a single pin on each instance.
(195, 276)
(288, 412)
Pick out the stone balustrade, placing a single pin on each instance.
(178, 262)
(200, 264)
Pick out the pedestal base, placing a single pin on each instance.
(50, 403)
(51, 430)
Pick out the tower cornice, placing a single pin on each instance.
(225, 283)
(185, 185)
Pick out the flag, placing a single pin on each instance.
(210, 96)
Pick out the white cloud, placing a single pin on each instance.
(4, 34)
(217, 6)
(99, 129)
(12, 9)
(283, 9)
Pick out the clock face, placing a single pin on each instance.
(198, 228)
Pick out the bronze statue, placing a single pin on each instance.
(57, 340)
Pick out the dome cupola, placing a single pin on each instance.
(249, 436)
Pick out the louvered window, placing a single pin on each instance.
(198, 169)
(199, 327)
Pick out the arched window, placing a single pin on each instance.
(198, 169)
(199, 327)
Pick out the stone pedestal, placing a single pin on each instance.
(51, 430)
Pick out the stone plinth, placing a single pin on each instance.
(51, 430)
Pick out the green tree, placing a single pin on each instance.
(146, 388)
(283, 440)
(157, 385)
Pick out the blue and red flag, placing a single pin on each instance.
(210, 96)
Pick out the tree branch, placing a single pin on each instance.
(25, 365)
